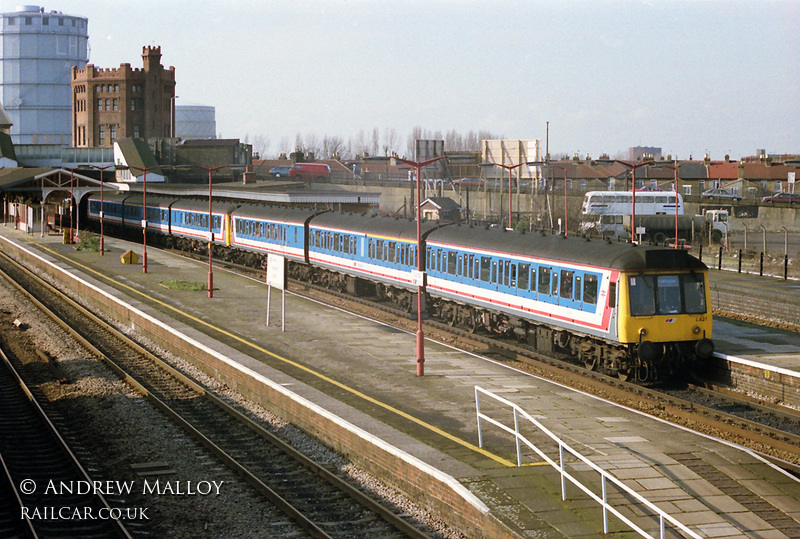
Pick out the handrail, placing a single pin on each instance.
(606, 477)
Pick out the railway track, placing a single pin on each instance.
(34, 462)
(313, 497)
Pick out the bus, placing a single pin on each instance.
(602, 211)
(619, 203)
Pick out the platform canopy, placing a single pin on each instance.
(42, 183)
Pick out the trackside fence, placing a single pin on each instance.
(605, 477)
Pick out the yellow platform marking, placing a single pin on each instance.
(355, 392)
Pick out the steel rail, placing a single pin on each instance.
(359, 497)
(117, 526)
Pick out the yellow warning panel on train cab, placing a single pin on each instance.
(129, 257)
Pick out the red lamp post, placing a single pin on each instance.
(633, 197)
(102, 205)
(418, 165)
(677, 205)
(71, 202)
(210, 228)
(144, 212)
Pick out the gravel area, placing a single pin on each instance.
(116, 431)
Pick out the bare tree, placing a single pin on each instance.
(332, 147)
(360, 145)
(261, 145)
(389, 140)
(312, 144)
(375, 146)
(285, 146)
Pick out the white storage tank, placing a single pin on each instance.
(195, 122)
(37, 52)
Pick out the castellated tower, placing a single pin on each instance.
(112, 104)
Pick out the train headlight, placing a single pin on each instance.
(696, 330)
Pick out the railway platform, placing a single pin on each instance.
(352, 381)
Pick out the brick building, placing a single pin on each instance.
(113, 104)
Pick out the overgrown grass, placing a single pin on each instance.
(88, 242)
(190, 286)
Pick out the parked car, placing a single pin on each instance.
(280, 171)
(787, 198)
(721, 193)
(309, 171)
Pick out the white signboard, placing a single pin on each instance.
(791, 177)
(276, 271)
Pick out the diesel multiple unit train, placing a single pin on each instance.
(641, 312)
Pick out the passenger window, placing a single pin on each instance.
(554, 282)
(566, 284)
(544, 280)
(506, 273)
(486, 268)
(612, 295)
(590, 289)
(577, 296)
(524, 271)
(494, 272)
(471, 266)
(452, 263)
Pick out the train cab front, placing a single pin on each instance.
(665, 318)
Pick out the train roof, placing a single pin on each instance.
(201, 205)
(110, 197)
(136, 198)
(275, 213)
(373, 225)
(573, 249)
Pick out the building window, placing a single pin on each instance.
(45, 21)
(28, 21)
(135, 131)
(99, 104)
(101, 135)
(61, 22)
(108, 104)
(112, 133)
(133, 104)
(115, 104)
(12, 21)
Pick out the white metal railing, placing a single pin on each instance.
(605, 477)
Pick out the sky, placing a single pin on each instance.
(690, 77)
